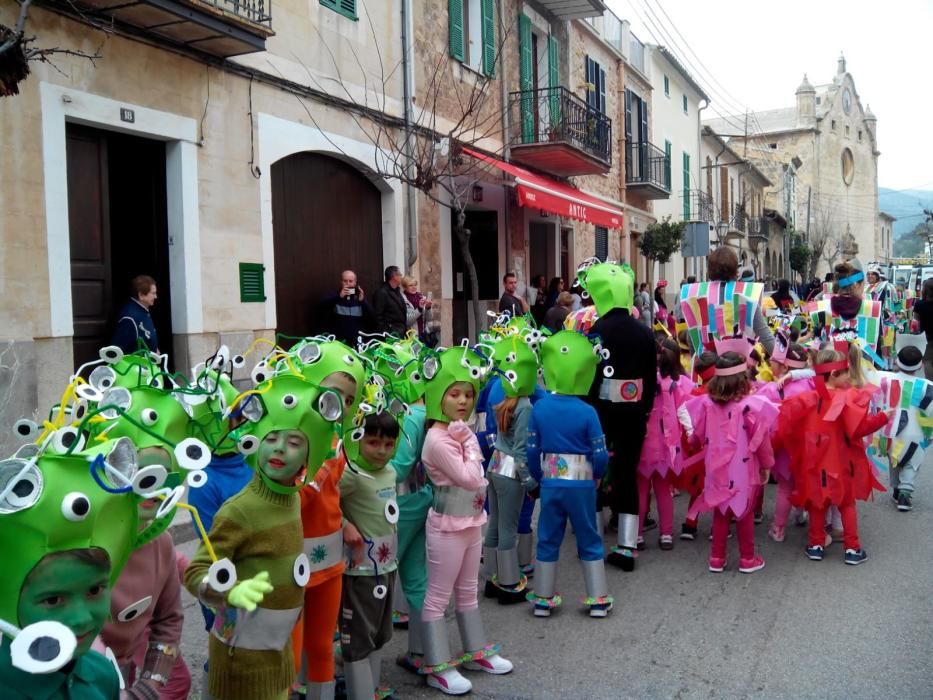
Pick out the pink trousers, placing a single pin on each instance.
(782, 502)
(453, 567)
(663, 497)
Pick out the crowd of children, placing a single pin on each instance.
(341, 474)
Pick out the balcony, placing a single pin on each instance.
(702, 207)
(647, 170)
(573, 9)
(738, 224)
(555, 131)
(222, 28)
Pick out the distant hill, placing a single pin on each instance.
(905, 205)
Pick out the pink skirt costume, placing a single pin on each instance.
(737, 446)
(662, 454)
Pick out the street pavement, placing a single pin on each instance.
(797, 629)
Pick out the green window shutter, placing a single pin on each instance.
(489, 38)
(553, 72)
(347, 8)
(602, 243)
(525, 79)
(685, 104)
(252, 282)
(455, 12)
(667, 86)
(686, 186)
(667, 164)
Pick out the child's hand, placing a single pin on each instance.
(765, 475)
(780, 380)
(351, 536)
(249, 593)
(459, 431)
(890, 413)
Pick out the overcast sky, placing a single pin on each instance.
(747, 53)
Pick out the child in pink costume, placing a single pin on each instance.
(454, 462)
(661, 454)
(735, 429)
(788, 363)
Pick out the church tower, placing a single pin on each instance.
(806, 104)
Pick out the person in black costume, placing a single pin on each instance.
(623, 393)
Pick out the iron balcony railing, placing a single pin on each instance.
(646, 164)
(759, 227)
(702, 207)
(739, 218)
(256, 11)
(554, 114)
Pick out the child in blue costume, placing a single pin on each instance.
(567, 456)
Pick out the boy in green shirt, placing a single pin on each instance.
(368, 501)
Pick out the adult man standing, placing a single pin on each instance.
(389, 305)
(346, 313)
(133, 320)
(510, 302)
(623, 393)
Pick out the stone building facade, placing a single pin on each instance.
(821, 156)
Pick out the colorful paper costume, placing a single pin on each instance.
(708, 318)
(904, 440)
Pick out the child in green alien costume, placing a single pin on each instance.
(454, 463)
(65, 541)
(508, 473)
(398, 365)
(253, 569)
(332, 364)
(368, 502)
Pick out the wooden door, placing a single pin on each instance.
(326, 218)
(89, 235)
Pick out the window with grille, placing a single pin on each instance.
(347, 8)
(602, 243)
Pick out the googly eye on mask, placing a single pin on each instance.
(76, 506)
(20, 485)
(221, 576)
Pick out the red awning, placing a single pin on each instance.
(540, 192)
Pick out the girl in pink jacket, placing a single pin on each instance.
(661, 454)
(452, 458)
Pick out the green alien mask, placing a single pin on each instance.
(442, 370)
(570, 361)
(609, 284)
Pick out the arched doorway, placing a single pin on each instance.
(326, 217)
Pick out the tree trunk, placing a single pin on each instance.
(463, 238)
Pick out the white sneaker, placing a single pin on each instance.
(495, 665)
(450, 682)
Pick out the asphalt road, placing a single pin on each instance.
(797, 629)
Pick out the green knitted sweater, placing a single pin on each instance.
(258, 530)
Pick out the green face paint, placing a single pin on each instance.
(69, 590)
(282, 454)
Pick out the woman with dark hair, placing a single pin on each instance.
(923, 313)
(553, 291)
(660, 311)
(782, 297)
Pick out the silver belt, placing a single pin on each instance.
(453, 500)
(621, 390)
(503, 465)
(325, 551)
(263, 629)
(479, 422)
(383, 551)
(566, 466)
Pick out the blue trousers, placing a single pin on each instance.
(577, 503)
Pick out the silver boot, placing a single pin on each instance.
(545, 579)
(510, 581)
(485, 658)
(436, 644)
(526, 552)
(359, 679)
(415, 633)
(399, 601)
(321, 691)
(624, 554)
(375, 666)
(597, 590)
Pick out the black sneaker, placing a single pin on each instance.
(650, 523)
(855, 556)
(688, 532)
(895, 494)
(904, 502)
(491, 590)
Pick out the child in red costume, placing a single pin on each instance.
(823, 430)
